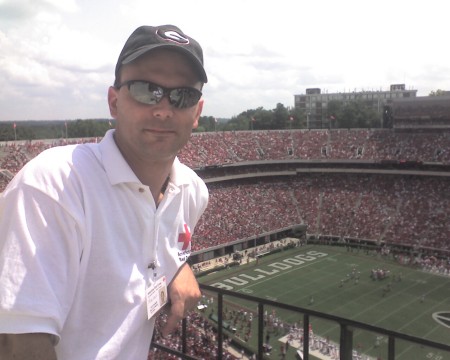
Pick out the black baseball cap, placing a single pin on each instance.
(147, 38)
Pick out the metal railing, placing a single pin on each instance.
(347, 328)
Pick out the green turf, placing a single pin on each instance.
(319, 276)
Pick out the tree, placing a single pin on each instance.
(206, 123)
(6, 132)
(438, 92)
(263, 119)
(335, 113)
(255, 119)
(239, 122)
(297, 118)
(354, 114)
(280, 119)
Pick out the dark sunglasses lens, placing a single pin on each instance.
(184, 98)
(146, 93)
(151, 94)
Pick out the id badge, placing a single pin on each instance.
(156, 296)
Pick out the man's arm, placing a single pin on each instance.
(33, 346)
(184, 294)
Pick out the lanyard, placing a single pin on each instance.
(154, 263)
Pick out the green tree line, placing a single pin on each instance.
(351, 115)
(355, 114)
(58, 129)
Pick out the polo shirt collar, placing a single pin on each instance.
(179, 174)
(118, 170)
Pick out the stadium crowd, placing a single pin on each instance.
(409, 210)
(14, 155)
(400, 209)
(208, 149)
(218, 148)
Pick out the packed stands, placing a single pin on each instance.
(220, 148)
(391, 208)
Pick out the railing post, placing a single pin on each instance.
(346, 343)
(305, 337)
(184, 337)
(391, 348)
(220, 326)
(260, 331)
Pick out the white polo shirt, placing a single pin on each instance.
(78, 232)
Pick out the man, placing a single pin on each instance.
(91, 234)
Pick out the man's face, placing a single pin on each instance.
(154, 133)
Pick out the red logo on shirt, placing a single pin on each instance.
(185, 238)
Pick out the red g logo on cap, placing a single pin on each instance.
(174, 36)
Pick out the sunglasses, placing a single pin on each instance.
(149, 93)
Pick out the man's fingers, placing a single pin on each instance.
(175, 314)
(184, 293)
(177, 309)
(170, 326)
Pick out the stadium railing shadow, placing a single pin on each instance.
(347, 328)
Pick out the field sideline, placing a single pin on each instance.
(333, 280)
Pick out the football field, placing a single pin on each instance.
(333, 280)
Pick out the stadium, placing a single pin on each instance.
(349, 222)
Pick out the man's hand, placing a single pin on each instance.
(184, 294)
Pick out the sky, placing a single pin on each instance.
(57, 57)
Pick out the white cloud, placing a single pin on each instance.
(57, 56)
